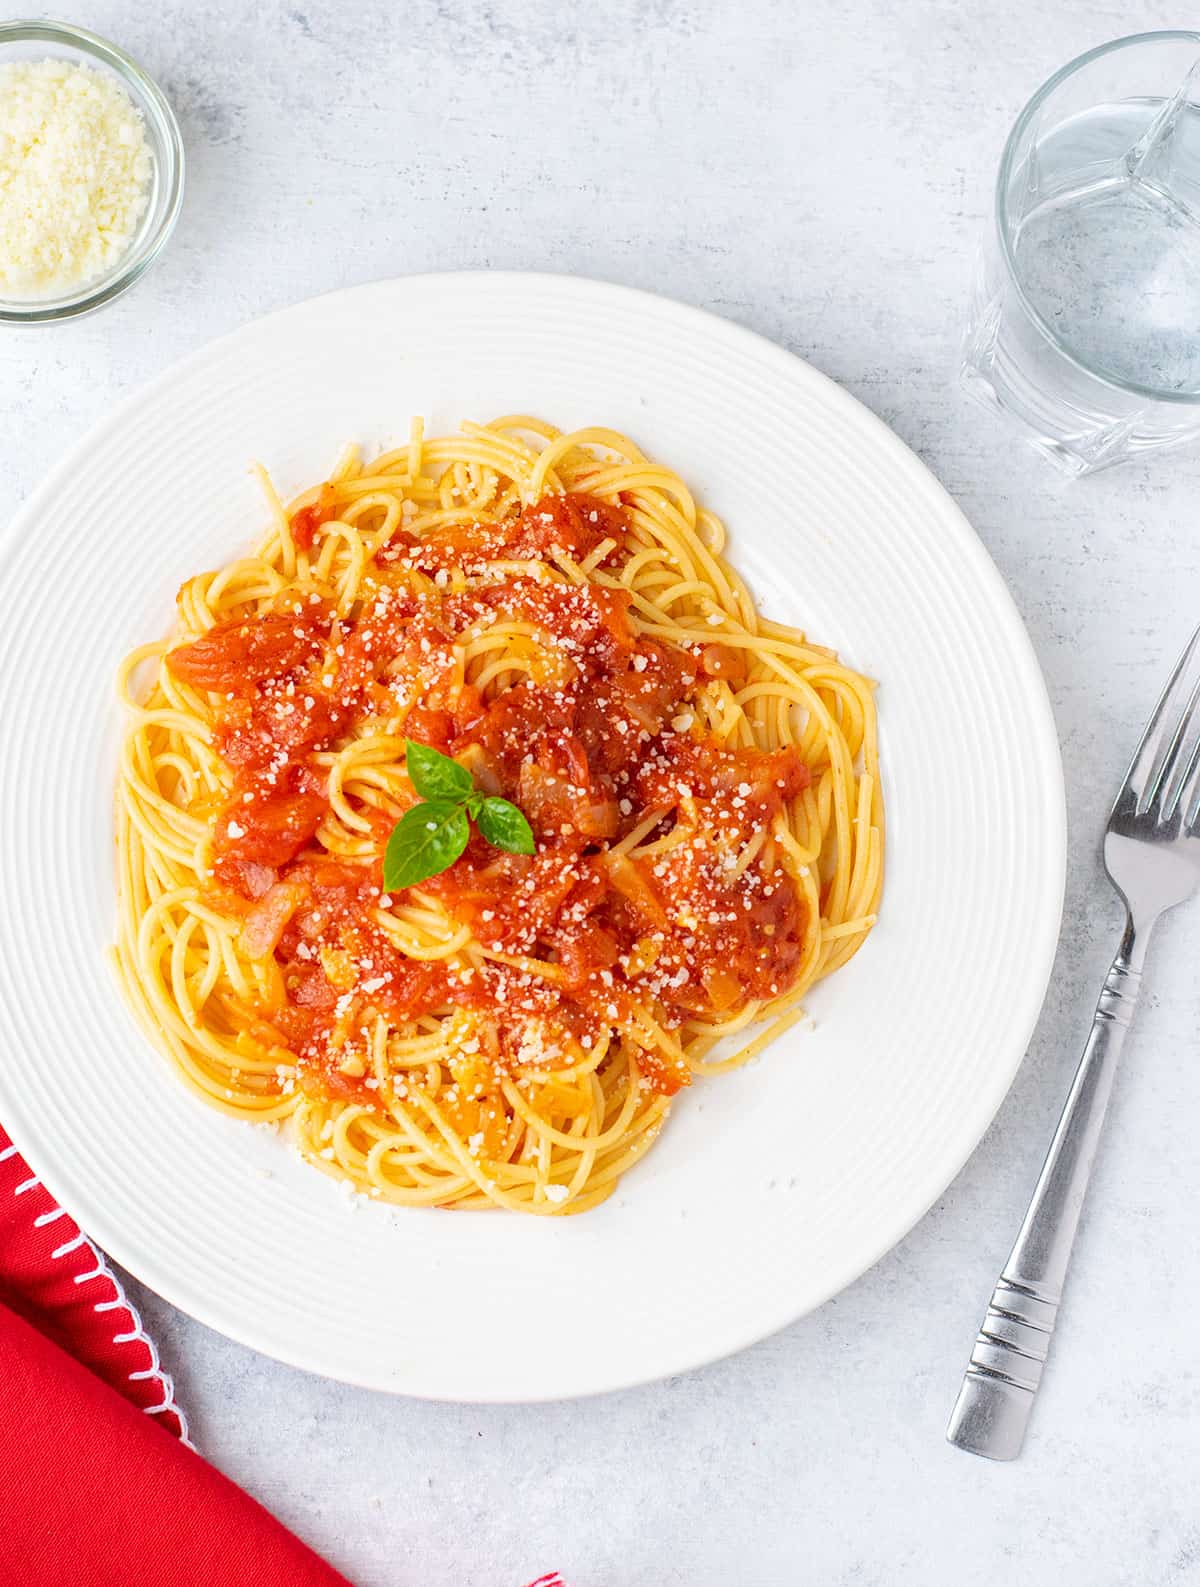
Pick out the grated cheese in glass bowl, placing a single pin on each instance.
(91, 172)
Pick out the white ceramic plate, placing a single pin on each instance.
(772, 1188)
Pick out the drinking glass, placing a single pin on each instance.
(1085, 319)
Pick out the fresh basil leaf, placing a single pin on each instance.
(503, 825)
(434, 775)
(426, 839)
(475, 803)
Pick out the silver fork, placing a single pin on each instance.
(1152, 856)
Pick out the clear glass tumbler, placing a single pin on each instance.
(1085, 319)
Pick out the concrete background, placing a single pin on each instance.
(820, 172)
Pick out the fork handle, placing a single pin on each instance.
(996, 1398)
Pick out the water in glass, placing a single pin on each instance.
(1086, 321)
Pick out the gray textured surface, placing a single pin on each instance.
(818, 171)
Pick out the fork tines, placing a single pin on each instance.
(1165, 775)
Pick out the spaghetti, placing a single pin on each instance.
(555, 613)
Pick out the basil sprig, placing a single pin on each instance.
(429, 838)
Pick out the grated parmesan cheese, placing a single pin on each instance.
(75, 172)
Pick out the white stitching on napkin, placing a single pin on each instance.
(118, 1301)
(166, 1404)
(136, 1333)
(85, 1278)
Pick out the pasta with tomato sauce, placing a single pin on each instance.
(552, 613)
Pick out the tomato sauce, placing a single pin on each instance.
(591, 737)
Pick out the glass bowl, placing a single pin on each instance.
(39, 41)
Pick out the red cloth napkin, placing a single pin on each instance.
(94, 1492)
(54, 1277)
